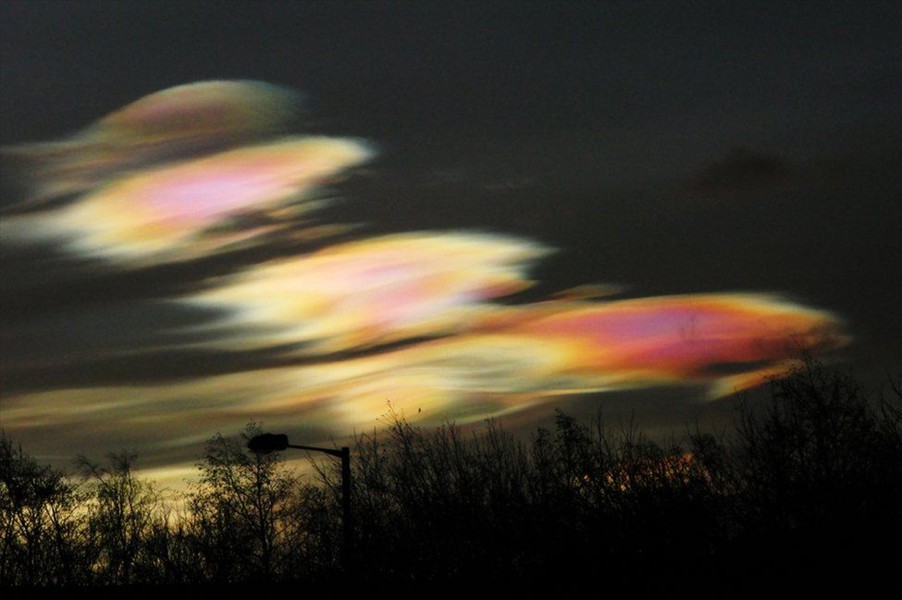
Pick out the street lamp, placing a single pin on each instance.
(267, 443)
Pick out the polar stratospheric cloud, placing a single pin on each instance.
(424, 321)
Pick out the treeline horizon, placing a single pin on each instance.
(807, 482)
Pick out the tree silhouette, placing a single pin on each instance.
(806, 485)
(40, 523)
(241, 511)
(124, 515)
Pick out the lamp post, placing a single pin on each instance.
(267, 443)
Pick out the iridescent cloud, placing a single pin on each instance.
(193, 170)
(513, 358)
(522, 356)
(171, 212)
(374, 291)
(733, 340)
(162, 126)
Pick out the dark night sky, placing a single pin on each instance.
(665, 147)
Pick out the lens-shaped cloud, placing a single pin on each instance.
(164, 126)
(736, 340)
(511, 359)
(171, 212)
(523, 356)
(374, 290)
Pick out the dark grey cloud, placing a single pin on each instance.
(742, 170)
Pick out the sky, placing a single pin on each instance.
(314, 215)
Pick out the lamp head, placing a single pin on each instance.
(268, 443)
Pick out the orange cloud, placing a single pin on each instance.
(679, 338)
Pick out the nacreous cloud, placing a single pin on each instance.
(164, 126)
(374, 291)
(518, 357)
(337, 335)
(734, 341)
(172, 212)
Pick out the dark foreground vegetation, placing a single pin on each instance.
(806, 488)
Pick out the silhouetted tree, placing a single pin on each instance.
(41, 524)
(124, 513)
(816, 454)
(810, 481)
(240, 513)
